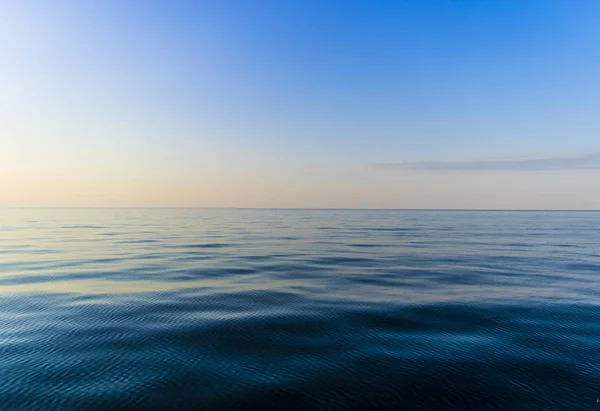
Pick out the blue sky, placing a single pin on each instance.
(288, 103)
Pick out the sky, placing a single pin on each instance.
(300, 103)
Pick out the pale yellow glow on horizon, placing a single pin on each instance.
(319, 188)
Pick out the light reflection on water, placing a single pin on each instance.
(352, 308)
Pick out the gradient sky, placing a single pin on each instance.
(300, 103)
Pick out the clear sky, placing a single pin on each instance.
(300, 103)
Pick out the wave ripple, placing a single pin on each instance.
(299, 310)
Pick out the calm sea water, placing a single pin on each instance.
(297, 309)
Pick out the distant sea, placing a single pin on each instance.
(218, 309)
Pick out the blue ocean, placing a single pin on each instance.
(254, 309)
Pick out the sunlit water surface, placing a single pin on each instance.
(298, 309)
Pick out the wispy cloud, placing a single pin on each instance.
(582, 162)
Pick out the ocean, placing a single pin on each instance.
(244, 309)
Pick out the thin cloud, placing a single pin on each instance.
(584, 162)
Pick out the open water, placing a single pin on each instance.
(212, 309)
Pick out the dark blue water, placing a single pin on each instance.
(295, 309)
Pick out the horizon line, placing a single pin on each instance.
(306, 208)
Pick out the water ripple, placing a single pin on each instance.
(299, 310)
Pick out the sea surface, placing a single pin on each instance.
(218, 309)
